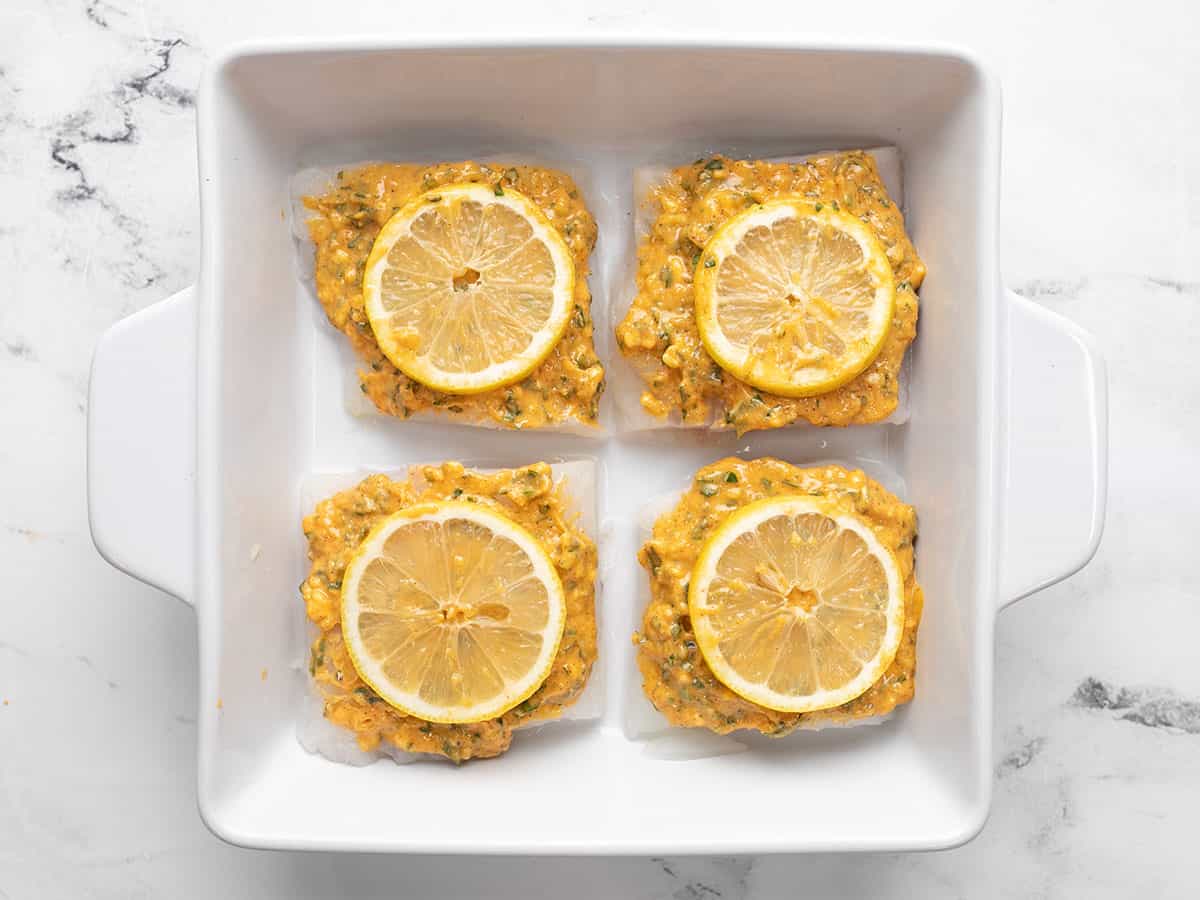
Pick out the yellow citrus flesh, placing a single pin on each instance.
(452, 612)
(468, 288)
(794, 297)
(796, 606)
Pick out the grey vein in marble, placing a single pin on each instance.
(1050, 287)
(1152, 707)
(1174, 284)
(1048, 834)
(86, 661)
(19, 348)
(12, 648)
(70, 133)
(723, 877)
(77, 128)
(1021, 757)
(695, 891)
(98, 12)
(1068, 288)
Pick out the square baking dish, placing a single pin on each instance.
(208, 410)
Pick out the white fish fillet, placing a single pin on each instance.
(316, 180)
(642, 722)
(625, 384)
(317, 734)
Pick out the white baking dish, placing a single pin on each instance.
(206, 416)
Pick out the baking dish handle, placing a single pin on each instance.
(1057, 472)
(141, 444)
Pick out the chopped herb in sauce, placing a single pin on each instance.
(512, 408)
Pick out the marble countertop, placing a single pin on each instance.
(1098, 691)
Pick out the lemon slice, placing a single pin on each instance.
(468, 288)
(796, 606)
(451, 612)
(794, 297)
